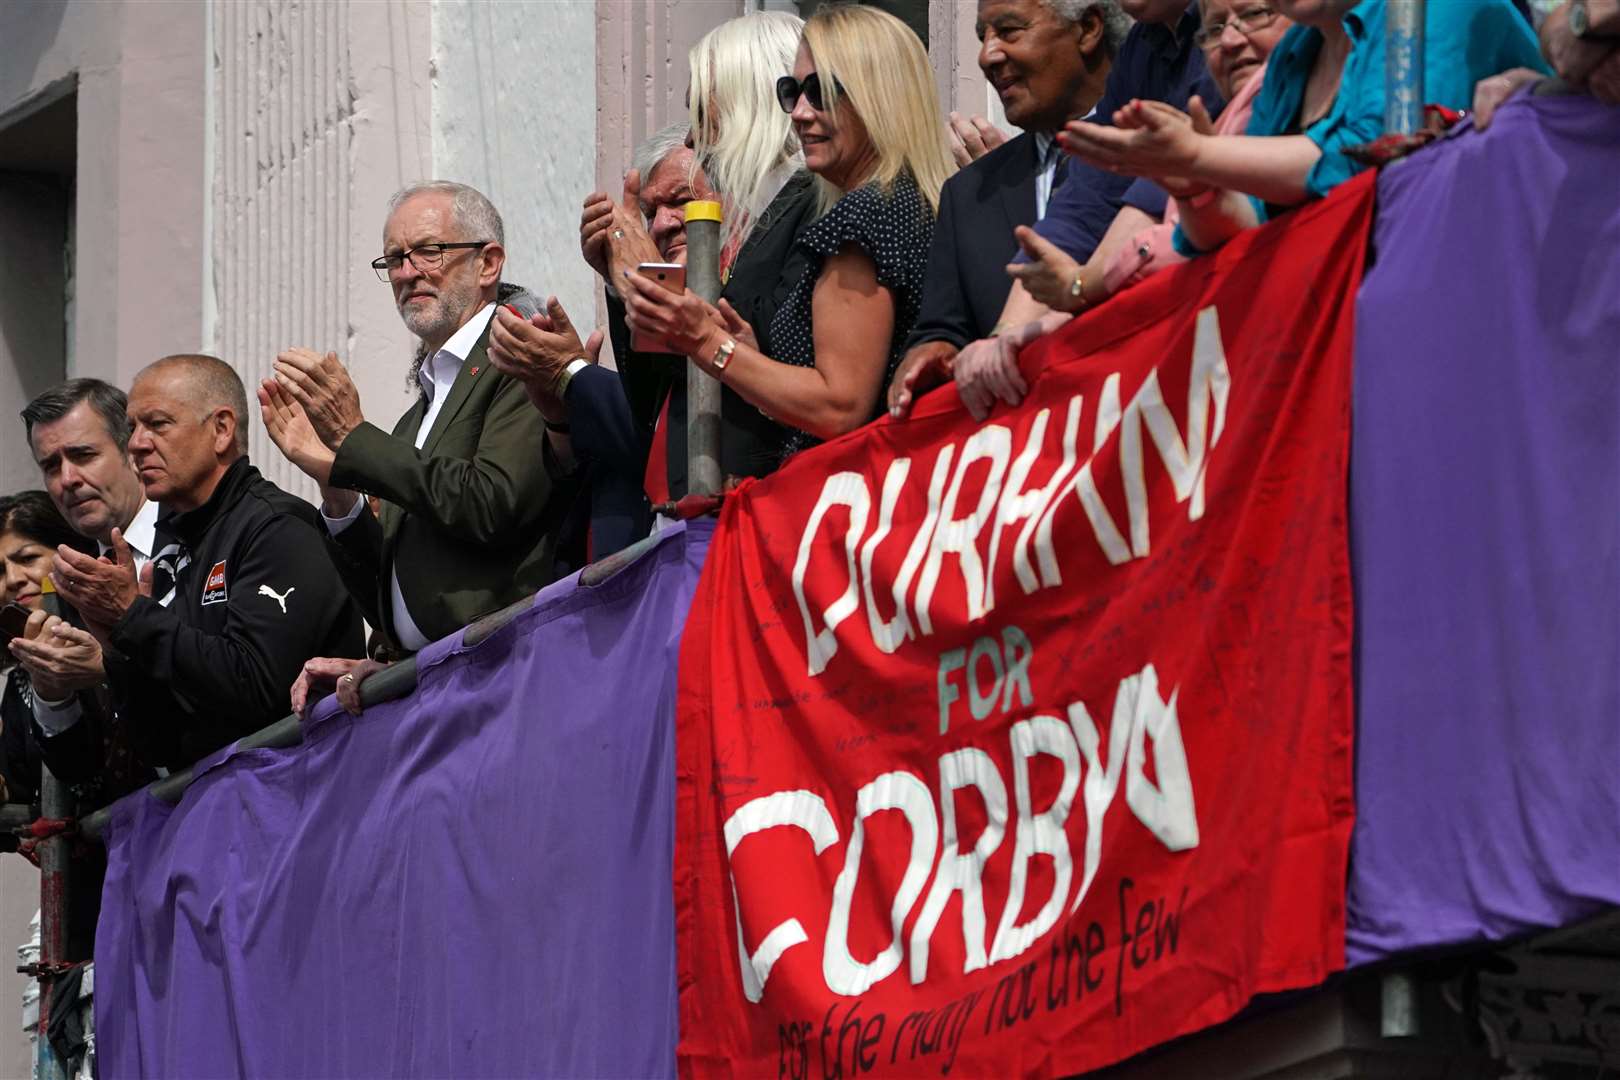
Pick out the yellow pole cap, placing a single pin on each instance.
(703, 210)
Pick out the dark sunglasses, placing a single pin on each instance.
(789, 90)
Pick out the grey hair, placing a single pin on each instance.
(1116, 24)
(658, 146)
(470, 209)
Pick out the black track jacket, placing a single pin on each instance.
(258, 597)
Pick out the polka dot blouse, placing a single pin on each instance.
(893, 229)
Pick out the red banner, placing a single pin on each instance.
(1019, 748)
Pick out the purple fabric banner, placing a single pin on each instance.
(474, 881)
(1485, 529)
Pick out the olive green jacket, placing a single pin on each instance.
(470, 521)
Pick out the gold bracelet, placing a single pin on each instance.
(1077, 288)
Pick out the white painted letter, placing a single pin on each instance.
(1167, 810)
(901, 791)
(888, 635)
(1101, 782)
(803, 810)
(959, 769)
(960, 535)
(841, 489)
(1209, 385)
(1038, 834)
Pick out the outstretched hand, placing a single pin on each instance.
(1149, 138)
(291, 431)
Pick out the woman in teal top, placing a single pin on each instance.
(1464, 41)
(1323, 92)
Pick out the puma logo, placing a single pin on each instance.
(280, 598)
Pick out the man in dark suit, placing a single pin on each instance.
(1048, 61)
(471, 486)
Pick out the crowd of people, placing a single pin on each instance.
(165, 598)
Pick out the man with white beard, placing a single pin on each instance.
(470, 512)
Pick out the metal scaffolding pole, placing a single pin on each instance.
(703, 476)
(1403, 66)
(56, 803)
(1403, 115)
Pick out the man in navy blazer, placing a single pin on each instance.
(1048, 61)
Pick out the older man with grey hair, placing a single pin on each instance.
(472, 482)
(612, 428)
(1048, 61)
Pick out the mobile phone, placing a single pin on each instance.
(13, 621)
(671, 276)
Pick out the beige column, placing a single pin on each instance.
(320, 112)
(954, 50)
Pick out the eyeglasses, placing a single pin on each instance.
(789, 90)
(424, 257)
(1244, 22)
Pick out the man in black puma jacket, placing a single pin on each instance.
(239, 593)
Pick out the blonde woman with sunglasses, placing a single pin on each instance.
(862, 102)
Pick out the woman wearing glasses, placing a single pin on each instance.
(862, 102)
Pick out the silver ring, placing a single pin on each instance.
(618, 234)
(347, 678)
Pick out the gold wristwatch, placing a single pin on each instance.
(722, 355)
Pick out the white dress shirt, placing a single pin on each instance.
(437, 375)
(140, 535)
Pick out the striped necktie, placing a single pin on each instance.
(1060, 171)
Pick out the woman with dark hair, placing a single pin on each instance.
(31, 530)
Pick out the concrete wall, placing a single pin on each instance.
(319, 113)
(33, 331)
(139, 208)
(514, 114)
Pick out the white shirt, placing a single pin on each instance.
(437, 375)
(140, 534)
